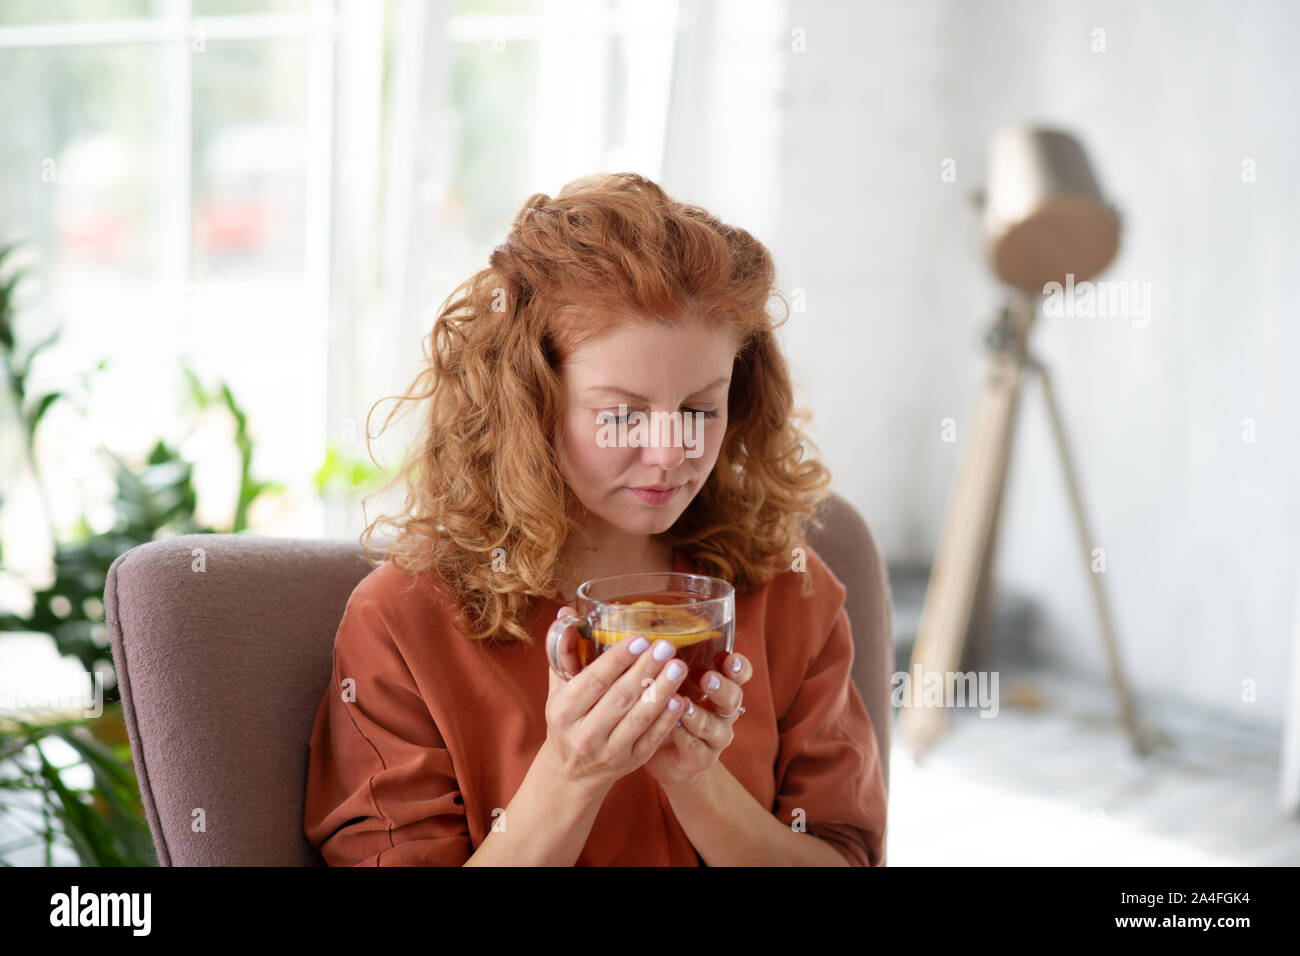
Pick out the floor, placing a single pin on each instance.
(1053, 780)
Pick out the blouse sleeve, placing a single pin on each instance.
(381, 789)
(829, 761)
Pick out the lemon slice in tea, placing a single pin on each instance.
(677, 624)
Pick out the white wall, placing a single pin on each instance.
(1201, 529)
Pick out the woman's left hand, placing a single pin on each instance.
(691, 749)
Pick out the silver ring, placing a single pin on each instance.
(736, 714)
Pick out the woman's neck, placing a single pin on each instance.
(598, 564)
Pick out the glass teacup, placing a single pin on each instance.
(694, 611)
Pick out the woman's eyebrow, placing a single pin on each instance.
(641, 398)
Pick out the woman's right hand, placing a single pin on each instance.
(615, 712)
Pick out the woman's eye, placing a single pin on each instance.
(710, 413)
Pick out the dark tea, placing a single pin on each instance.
(701, 643)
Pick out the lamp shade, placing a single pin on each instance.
(1044, 215)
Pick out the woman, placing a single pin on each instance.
(445, 737)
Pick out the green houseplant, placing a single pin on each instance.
(70, 781)
(91, 802)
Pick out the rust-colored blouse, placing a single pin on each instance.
(435, 731)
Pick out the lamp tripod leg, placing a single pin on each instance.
(963, 545)
(1114, 666)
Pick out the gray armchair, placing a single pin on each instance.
(221, 673)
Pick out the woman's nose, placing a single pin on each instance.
(665, 446)
(667, 457)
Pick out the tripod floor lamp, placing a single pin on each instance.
(1045, 220)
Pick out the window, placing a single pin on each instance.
(280, 194)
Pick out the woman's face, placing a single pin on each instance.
(684, 370)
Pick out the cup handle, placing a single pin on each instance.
(553, 635)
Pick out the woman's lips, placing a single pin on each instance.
(652, 497)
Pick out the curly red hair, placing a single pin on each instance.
(485, 473)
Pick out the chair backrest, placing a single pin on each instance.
(223, 646)
(849, 549)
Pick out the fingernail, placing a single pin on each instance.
(713, 682)
(674, 703)
(638, 645)
(690, 709)
(735, 666)
(663, 650)
(675, 670)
